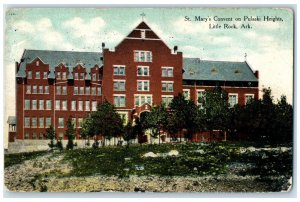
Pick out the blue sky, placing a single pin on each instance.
(269, 45)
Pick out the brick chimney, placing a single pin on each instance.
(256, 73)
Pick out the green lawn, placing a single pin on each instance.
(12, 159)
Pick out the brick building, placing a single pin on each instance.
(142, 71)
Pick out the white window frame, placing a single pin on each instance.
(41, 105)
(28, 89)
(119, 95)
(26, 122)
(80, 105)
(167, 69)
(118, 81)
(46, 89)
(76, 90)
(34, 120)
(125, 114)
(142, 70)
(45, 75)
(94, 107)
(38, 75)
(48, 101)
(80, 90)
(29, 75)
(57, 104)
(59, 122)
(58, 90)
(64, 90)
(94, 91)
(27, 103)
(167, 96)
(188, 93)
(197, 97)
(32, 105)
(140, 99)
(41, 89)
(41, 118)
(87, 105)
(118, 67)
(167, 82)
(248, 94)
(237, 98)
(143, 85)
(80, 121)
(48, 119)
(65, 108)
(138, 56)
(73, 106)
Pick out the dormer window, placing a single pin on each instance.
(37, 63)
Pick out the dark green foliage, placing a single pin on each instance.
(70, 133)
(50, 134)
(106, 121)
(130, 132)
(183, 115)
(87, 130)
(13, 159)
(59, 144)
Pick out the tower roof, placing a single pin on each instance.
(142, 31)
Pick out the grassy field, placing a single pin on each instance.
(192, 160)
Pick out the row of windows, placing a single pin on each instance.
(120, 70)
(61, 76)
(41, 136)
(120, 100)
(37, 89)
(144, 85)
(60, 105)
(87, 91)
(232, 97)
(142, 56)
(42, 122)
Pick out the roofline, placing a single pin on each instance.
(59, 51)
(214, 60)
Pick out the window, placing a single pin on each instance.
(34, 89)
(143, 71)
(34, 122)
(143, 34)
(119, 70)
(41, 136)
(48, 104)
(139, 100)
(186, 94)
(60, 122)
(57, 104)
(87, 90)
(34, 136)
(80, 120)
(75, 90)
(94, 77)
(37, 75)
(27, 122)
(46, 89)
(248, 98)
(124, 117)
(27, 104)
(81, 76)
(99, 91)
(87, 106)
(41, 104)
(64, 105)
(74, 122)
(76, 76)
(58, 90)
(29, 74)
(64, 75)
(167, 86)
(143, 85)
(26, 136)
(64, 90)
(200, 96)
(119, 100)
(94, 105)
(81, 92)
(48, 122)
(142, 56)
(80, 105)
(167, 99)
(58, 76)
(37, 63)
(119, 85)
(93, 90)
(167, 71)
(34, 104)
(41, 88)
(73, 105)
(232, 99)
(45, 75)
(41, 122)
(28, 89)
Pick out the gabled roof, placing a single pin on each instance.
(69, 58)
(204, 70)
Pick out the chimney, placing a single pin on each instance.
(103, 45)
(175, 49)
(256, 73)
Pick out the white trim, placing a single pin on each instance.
(248, 94)
(167, 96)
(143, 29)
(167, 81)
(119, 95)
(143, 82)
(234, 94)
(119, 80)
(196, 95)
(150, 39)
(126, 115)
(145, 95)
(143, 67)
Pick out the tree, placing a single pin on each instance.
(157, 120)
(70, 133)
(50, 134)
(130, 132)
(87, 129)
(106, 121)
(183, 115)
(216, 109)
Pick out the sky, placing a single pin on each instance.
(268, 44)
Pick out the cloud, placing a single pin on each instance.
(81, 28)
(24, 26)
